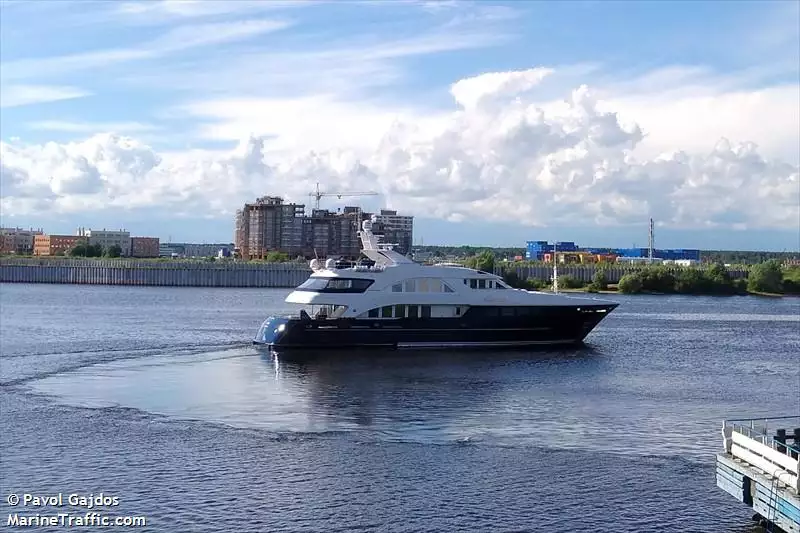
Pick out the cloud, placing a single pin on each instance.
(20, 95)
(90, 127)
(159, 11)
(177, 39)
(502, 157)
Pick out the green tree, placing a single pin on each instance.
(631, 283)
(566, 281)
(657, 279)
(599, 281)
(483, 261)
(79, 250)
(276, 257)
(766, 277)
(113, 251)
(511, 277)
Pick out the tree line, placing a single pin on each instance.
(731, 257)
(767, 277)
(83, 249)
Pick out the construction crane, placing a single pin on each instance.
(317, 194)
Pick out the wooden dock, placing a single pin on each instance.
(760, 467)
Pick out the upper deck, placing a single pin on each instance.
(761, 467)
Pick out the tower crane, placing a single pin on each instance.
(317, 194)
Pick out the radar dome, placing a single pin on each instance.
(314, 264)
(366, 225)
(330, 263)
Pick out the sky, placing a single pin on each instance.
(492, 123)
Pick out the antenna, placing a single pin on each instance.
(555, 267)
(650, 243)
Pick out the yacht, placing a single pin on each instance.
(386, 300)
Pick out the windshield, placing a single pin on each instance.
(335, 285)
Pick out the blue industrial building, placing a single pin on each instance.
(535, 251)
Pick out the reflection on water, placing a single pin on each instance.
(577, 398)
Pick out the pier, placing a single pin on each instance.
(760, 467)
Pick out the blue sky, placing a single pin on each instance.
(164, 117)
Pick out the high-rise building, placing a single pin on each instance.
(270, 225)
(396, 229)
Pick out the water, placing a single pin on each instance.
(154, 395)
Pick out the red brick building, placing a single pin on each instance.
(55, 244)
(144, 246)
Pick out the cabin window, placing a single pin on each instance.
(351, 285)
(522, 311)
(397, 287)
(409, 285)
(499, 285)
(473, 284)
(481, 283)
(490, 284)
(446, 287)
(507, 311)
(466, 282)
(399, 311)
(413, 311)
(374, 313)
(491, 311)
(423, 285)
(426, 311)
(386, 312)
(458, 311)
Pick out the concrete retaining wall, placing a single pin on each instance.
(131, 272)
(228, 274)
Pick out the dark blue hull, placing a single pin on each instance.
(478, 328)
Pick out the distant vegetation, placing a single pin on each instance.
(94, 250)
(745, 258)
(731, 257)
(768, 277)
(714, 280)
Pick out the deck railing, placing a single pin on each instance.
(754, 441)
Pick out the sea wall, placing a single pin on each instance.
(153, 273)
(229, 274)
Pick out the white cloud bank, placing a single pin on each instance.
(497, 157)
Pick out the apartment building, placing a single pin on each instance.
(396, 229)
(55, 244)
(270, 225)
(17, 240)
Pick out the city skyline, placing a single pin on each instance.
(492, 123)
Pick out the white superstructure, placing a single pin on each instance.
(395, 286)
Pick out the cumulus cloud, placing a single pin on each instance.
(498, 156)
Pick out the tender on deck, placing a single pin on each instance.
(760, 467)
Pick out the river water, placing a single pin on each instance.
(155, 396)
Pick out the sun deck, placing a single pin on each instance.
(760, 467)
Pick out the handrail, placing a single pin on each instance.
(760, 418)
(764, 438)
